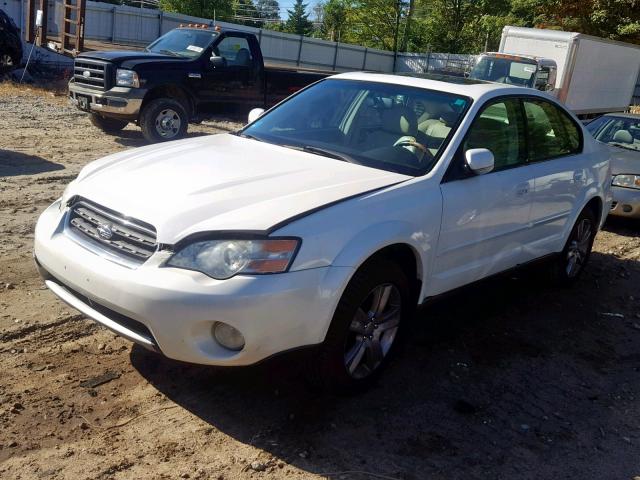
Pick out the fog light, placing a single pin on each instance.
(227, 336)
(626, 208)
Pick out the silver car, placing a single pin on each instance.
(622, 132)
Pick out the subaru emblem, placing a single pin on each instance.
(105, 232)
(86, 74)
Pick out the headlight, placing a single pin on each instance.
(127, 78)
(628, 181)
(66, 195)
(221, 259)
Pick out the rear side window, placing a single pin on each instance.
(551, 132)
(500, 129)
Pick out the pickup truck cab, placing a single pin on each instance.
(189, 72)
(326, 221)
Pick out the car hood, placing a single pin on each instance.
(221, 183)
(130, 59)
(624, 161)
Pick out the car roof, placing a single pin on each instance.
(458, 85)
(634, 116)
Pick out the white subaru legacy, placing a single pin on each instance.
(326, 220)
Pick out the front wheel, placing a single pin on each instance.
(568, 267)
(365, 329)
(163, 119)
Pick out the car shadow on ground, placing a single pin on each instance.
(627, 227)
(508, 378)
(14, 163)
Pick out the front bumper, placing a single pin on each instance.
(626, 202)
(172, 310)
(121, 102)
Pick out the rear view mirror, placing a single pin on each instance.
(479, 160)
(255, 114)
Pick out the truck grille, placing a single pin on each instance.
(91, 73)
(113, 232)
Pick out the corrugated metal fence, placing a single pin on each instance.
(125, 25)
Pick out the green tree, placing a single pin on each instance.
(334, 19)
(220, 9)
(268, 9)
(298, 21)
(246, 13)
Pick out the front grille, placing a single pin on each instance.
(125, 237)
(96, 76)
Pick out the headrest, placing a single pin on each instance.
(623, 136)
(400, 119)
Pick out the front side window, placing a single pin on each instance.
(551, 132)
(500, 129)
(387, 126)
(235, 50)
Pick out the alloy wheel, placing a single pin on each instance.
(373, 330)
(578, 249)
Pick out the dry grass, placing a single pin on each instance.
(634, 109)
(55, 90)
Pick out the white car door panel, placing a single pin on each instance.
(558, 167)
(485, 218)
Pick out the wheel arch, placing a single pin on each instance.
(174, 92)
(398, 244)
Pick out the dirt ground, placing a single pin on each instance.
(509, 379)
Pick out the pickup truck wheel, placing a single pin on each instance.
(163, 119)
(365, 329)
(568, 267)
(107, 125)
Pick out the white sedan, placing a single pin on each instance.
(326, 220)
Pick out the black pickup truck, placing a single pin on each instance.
(184, 75)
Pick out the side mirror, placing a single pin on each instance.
(255, 114)
(217, 61)
(479, 160)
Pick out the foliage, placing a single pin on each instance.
(221, 9)
(298, 21)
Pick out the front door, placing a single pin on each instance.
(235, 81)
(485, 217)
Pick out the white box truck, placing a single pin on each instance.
(590, 75)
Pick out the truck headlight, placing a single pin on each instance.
(222, 259)
(627, 181)
(127, 78)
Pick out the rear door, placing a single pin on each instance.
(555, 144)
(485, 218)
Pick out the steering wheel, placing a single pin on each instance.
(419, 150)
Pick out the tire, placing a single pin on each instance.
(569, 265)
(163, 119)
(349, 360)
(8, 63)
(107, 125)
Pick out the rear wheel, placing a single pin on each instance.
(365, 329)
(7, 62)
(163, 119)
(107, 125)
(570, 264)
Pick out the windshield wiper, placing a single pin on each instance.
(169, 52)
(248, 135)
(324, 152)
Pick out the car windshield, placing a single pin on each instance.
(622, 132)
(504, 70)
(391, 127)
(183, 42)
